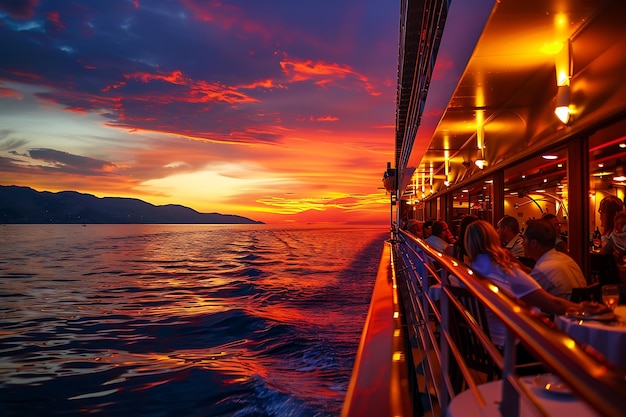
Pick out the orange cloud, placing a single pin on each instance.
(175, 77)
(324, 119)
(269, 84)
(10, 93)
(30, 76)
(199, 91)
(322, 73)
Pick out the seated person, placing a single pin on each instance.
(457, 250)
(490, 259)
(556, 272)
(616, 244)
(508, 232)
(560, 243)
(427, 228)
(415, 227)
(440, 239)
(609, 207)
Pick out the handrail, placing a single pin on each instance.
(379, 375)
(601, 385)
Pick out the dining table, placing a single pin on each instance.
(604, 333)
(556, 403)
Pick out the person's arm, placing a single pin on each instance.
(555, 305)
(607, 246)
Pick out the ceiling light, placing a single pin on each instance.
(549, 156)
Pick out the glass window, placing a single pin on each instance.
(607, 156)
(607, 150)
(537, 188)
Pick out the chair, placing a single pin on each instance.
(603, 269)
(472, 351)
(591, 292)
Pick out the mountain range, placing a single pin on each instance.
(24, 205)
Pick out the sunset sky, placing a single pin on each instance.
(277, 110)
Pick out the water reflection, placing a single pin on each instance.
(120, 319)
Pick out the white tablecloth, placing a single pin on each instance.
(557, 405)
(608, 338)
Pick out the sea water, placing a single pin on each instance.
(181, 320)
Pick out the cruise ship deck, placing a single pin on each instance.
(503, 108)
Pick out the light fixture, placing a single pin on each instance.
(562, 108)
(549, 156)
(563, 66)
(446, 167)
(480, 160)
(431, 178)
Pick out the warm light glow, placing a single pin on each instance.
(480, 163)
(480, 134)
(620, 178)
(446, 167)
(493, 288)
(550, 157)
(562, 109)
(563, 113)
(570, 344)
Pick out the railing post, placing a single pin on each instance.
(444, 349)
(509, 407)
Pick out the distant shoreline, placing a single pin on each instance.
(24, 205)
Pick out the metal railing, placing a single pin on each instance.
(412, 269)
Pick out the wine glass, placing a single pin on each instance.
(610, 296)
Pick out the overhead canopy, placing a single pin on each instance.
(489, 78)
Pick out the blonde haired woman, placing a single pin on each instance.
(491, 260)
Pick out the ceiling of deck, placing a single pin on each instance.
(509, 84)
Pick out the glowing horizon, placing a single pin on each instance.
(281, 114)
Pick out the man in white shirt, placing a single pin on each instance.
(441, 237)
(556, 272)
(508, 231)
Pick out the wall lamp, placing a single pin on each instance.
(480, 161)
(563, 66)
(562, 108)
